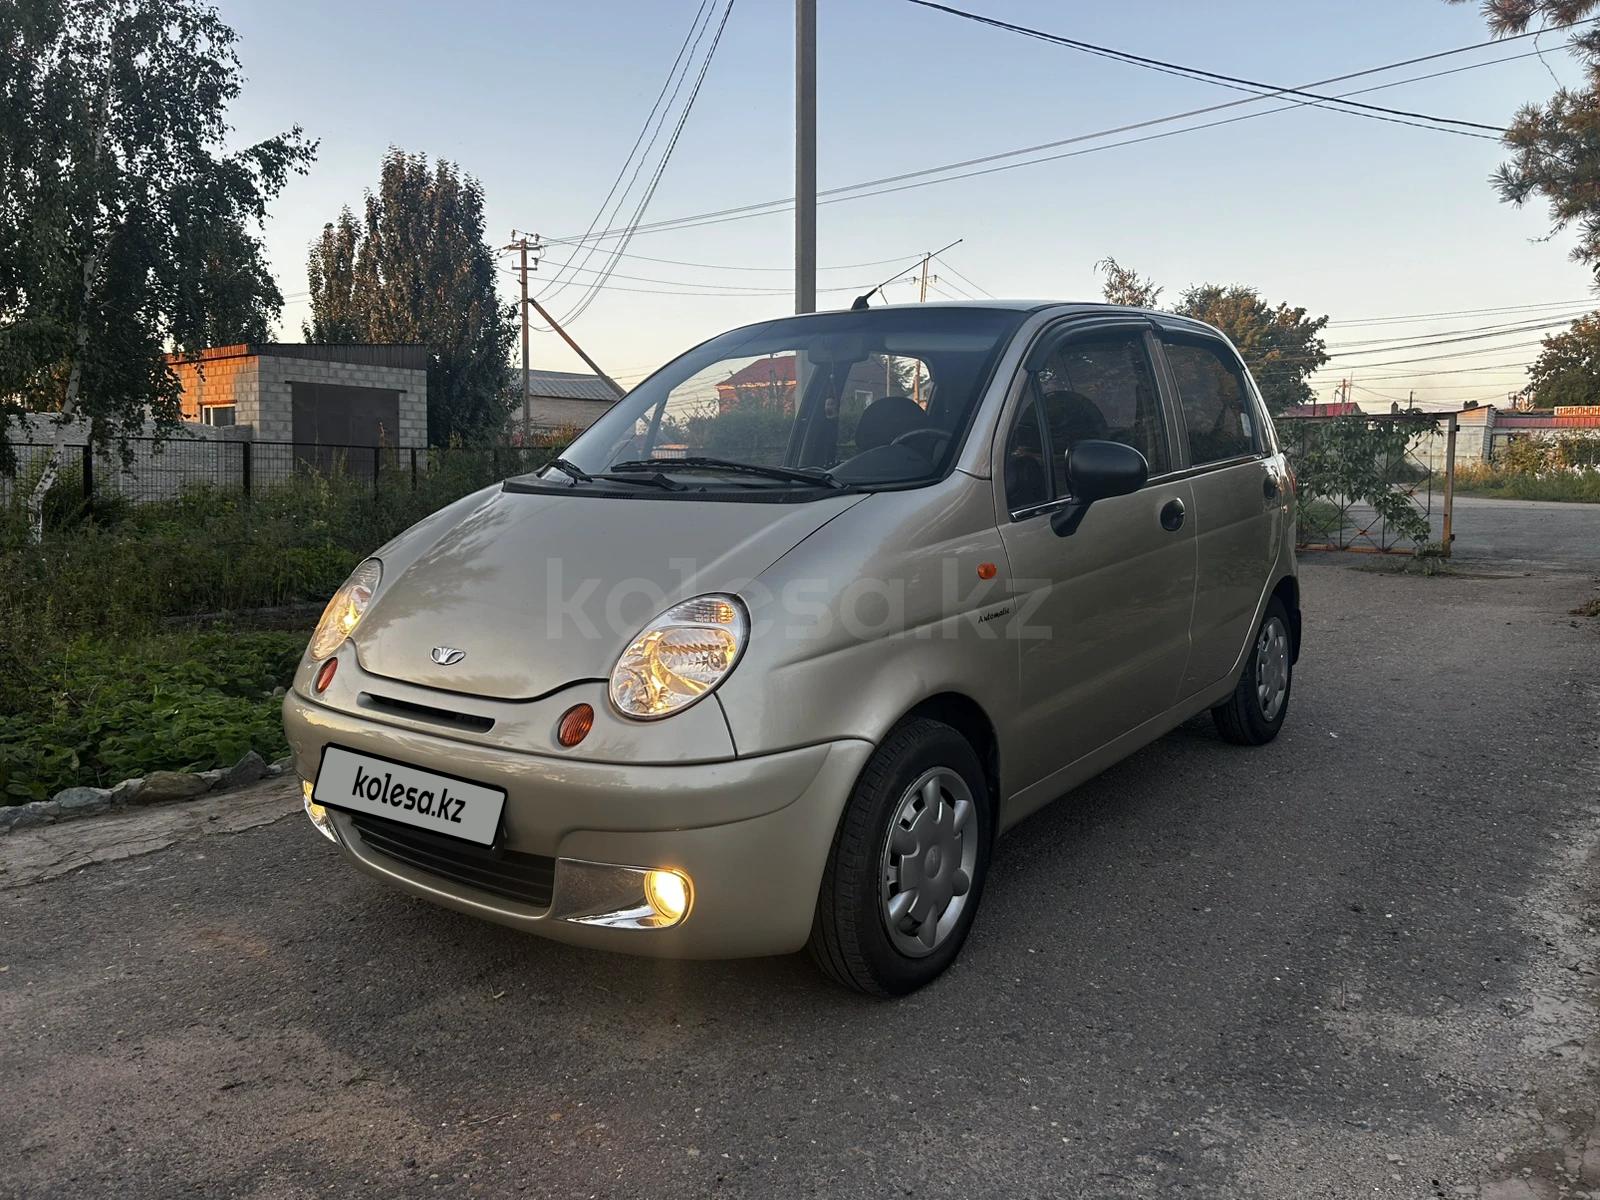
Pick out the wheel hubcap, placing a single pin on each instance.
(1272, 668)
(929, 857)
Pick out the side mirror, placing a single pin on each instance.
(1098, 470)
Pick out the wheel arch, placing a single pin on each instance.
(1287, 592)
(968, 718)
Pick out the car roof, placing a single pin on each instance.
(1063, 307)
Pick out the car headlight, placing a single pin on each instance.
(679, 657)
(346, 609)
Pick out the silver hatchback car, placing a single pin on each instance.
(794, 631)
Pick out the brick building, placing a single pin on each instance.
(344, 395)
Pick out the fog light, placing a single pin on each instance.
(668, 894)
(318, 814)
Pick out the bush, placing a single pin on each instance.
(96, 686)
(1563, 468)
(99, 712)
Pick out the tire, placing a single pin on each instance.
(1248, 717)
(851, 937)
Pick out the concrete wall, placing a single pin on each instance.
(188, 456)
(273, 412)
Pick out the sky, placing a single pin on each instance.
(1356, 218)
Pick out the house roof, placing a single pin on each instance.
(407, 355)
(570, 385)
(762, 371)
(1342, 408)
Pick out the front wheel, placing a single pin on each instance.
(908, 862)
(1255, 712)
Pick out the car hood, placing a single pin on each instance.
(539, 590)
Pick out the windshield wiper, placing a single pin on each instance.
(817, 478)
(576, 473)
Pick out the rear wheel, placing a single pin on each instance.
(1255, 712)
(907, 866)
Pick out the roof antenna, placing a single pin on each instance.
(860, 302)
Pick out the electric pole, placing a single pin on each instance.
(521, 245)
(805, 156)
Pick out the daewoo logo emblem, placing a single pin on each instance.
(447, 656)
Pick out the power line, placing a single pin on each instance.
(643, 129)
(859, 190)
(1227, 81)
(678, 262)
(1586, 303)
(970, 283)
(666, 156)
(1384, 345)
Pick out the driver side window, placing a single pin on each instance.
(1098, 386)
(1101, 386)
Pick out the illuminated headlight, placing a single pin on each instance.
(679, 657)
(345, 610)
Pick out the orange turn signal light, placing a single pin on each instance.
(325, 674)
(575, 724)
(987, 570)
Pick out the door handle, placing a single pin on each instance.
(1172, 514)
(1269, 486)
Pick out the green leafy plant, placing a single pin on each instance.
(1356, 460)
(95, 712)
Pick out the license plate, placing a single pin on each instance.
(439, 803)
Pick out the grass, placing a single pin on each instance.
(1577, 486)
(102, 673)
(97, 711)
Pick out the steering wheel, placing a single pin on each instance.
(937, 440)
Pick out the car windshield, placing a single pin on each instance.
(859, 399)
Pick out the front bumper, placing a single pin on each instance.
(753, 834)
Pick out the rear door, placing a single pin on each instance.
(1103, 614)
(1238, 490)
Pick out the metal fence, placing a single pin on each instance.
(1342, 463)
(153, 469)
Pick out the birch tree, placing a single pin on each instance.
(127, 226)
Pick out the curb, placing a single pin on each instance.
(159, 787)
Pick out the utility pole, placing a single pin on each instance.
(805, 156)
(521, 245)
(576, 349)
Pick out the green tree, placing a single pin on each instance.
(416, 269)
(1555, 147)
(126, 229)
(1125, 286)
(1282, 346)
(1567, 370)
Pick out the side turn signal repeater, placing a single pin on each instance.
(987, 570)
(575, 724)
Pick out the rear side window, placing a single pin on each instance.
(1216, 400)
(1101, 386)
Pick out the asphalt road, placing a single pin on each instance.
(1358, 962)
(1527, 534)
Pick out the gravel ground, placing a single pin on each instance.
(1358, 962)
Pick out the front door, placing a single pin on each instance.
(1103, 614)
